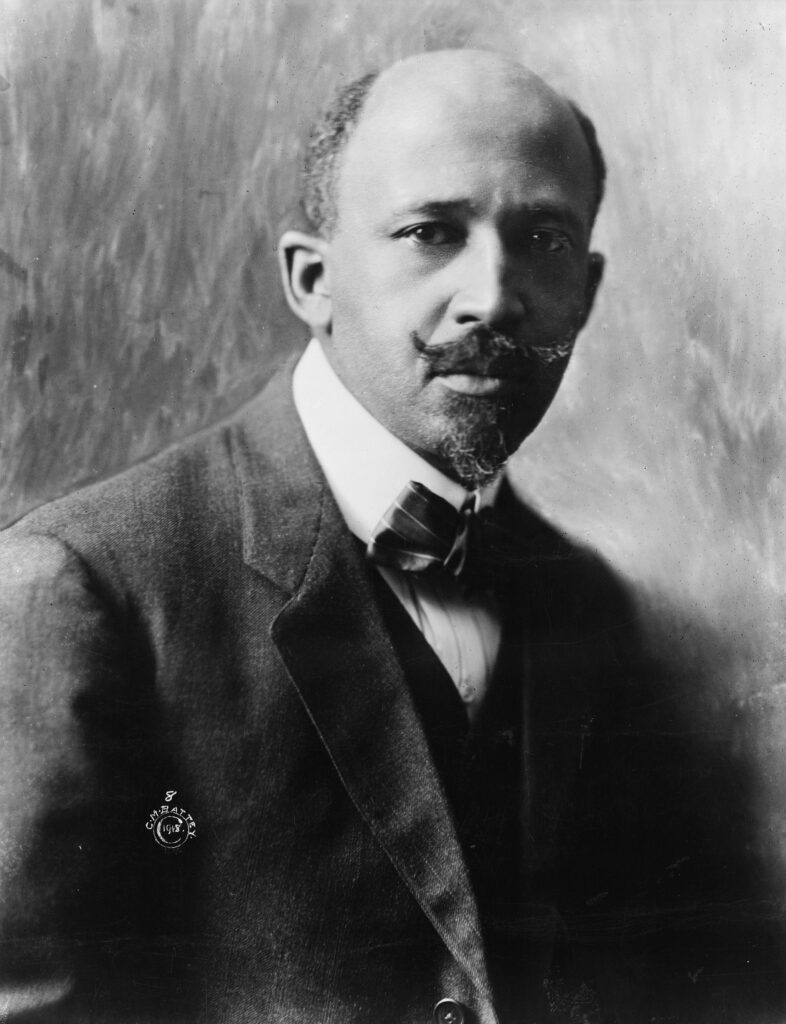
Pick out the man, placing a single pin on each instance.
(402, 716)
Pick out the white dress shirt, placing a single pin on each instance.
(366, 468)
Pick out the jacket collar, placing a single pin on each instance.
(343, 665)
(281, 487)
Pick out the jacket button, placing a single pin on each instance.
(448, 1011)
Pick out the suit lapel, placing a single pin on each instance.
(332, 638)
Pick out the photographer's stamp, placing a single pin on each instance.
(172, 826)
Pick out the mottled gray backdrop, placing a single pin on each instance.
(146, 161)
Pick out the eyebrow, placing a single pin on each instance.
(445, 207)
(433, 208)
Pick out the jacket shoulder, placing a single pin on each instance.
(182, 500)
(571, 585)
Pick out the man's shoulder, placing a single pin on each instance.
(185, 496)
(566, 572)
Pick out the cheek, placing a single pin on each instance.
(560, 300)
(370, 335)
(359, 297)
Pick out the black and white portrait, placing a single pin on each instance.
(392, 564)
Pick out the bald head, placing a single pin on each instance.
(479, 90)
(470, 79)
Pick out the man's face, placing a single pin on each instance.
(459, 271)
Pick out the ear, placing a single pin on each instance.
(303, 262)
(596, 264)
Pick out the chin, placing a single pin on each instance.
(478, 436)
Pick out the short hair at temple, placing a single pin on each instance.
(333, 130)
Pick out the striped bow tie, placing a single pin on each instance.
(421, 532)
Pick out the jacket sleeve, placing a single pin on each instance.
(60, 650)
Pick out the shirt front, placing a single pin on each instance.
(366, 468)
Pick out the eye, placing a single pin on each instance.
(547, 242)
(433, 233)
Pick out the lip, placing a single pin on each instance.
(480, 386)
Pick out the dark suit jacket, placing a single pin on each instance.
(204, 623)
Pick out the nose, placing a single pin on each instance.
(490, 288)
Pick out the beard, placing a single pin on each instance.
(483, 431)
(475, 448)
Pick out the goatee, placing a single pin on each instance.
(475, 450)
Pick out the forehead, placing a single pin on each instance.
(495, 149)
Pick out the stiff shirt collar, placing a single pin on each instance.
(365, 465)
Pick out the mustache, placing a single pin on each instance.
(485, 352)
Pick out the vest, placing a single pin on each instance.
(480, 767)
